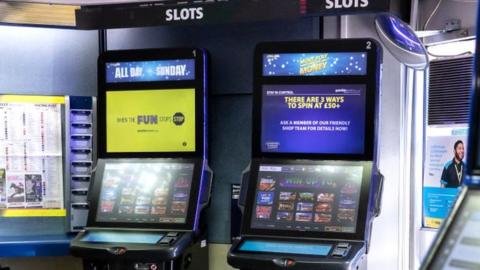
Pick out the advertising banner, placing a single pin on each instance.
(325, 119)
(315, 64)
(150, 71)
(444, 173)
(151, 121)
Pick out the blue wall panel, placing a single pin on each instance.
(45, 62)
(48, 61)
(230, 140)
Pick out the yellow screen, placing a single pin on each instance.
(151, 121)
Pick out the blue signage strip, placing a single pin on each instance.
(150, 71)
(315, 64)
(285, 247)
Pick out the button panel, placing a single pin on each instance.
(172, 234)
(146, 266)
(284, 262)
(117, 250)
(289, 262)
(167, 240)
(341, 250)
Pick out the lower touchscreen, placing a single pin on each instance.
(145, 192)
(318, 198)
(122, 237)
(259, 246)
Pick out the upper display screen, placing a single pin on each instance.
(316, 119)
(315, 64)
(317, 198)
(144, 121)
(150, 71)
(145, 192)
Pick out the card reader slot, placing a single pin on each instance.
(341, 250)
(167, 240)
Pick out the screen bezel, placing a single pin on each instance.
(371, 82)
(473, 151)
(94, 195)
(151, 55)
(362, 204)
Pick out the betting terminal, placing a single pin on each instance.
(152, 180)
(312, 189)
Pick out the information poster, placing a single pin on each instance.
(31, 166)
(445, 165)
(324, 119)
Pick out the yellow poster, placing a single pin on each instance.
(31, 161)
(151, 121)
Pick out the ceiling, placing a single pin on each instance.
(37, 14)
(57, 13)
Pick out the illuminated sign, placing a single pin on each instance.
(150, 71)
(315, 64)
(184, 14)
(318, 119)
(151, 121)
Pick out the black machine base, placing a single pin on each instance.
(344, 255)
(194, 257)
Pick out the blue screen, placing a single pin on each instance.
(318, 119)
(315, 64)
(122, 237)
(150, 71)
(284, 247)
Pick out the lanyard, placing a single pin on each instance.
(459, 173)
